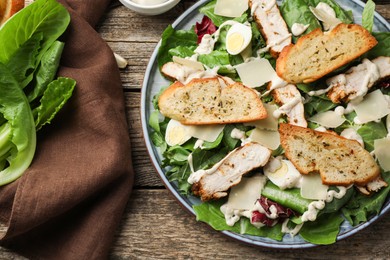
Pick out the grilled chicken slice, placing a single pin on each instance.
(290, 100)
(178, 72)
(358, 80)
(215, 183)
(271, 24)
(373, 186)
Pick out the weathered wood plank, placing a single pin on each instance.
(137, 56)
(155, 226)
(145, 173)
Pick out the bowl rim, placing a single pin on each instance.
(149, 7)
(183, 201)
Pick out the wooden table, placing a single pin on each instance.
(154, 225)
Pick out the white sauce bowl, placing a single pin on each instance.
(149, 8)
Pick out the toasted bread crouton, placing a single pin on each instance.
(316, 54)
(204, 101)
(339, 161)
(215, 184)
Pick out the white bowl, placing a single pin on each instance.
(150, 9)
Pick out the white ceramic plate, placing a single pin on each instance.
(153, 81)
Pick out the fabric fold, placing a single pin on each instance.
(69, 203)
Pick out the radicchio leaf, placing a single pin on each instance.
(205, 27)
(266, 204)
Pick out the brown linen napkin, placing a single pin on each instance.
(70, 201)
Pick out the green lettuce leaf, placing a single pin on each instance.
(360, 208)
(182, 51)
(208, 10)
(25, 60)
(16, 110)
(383, 46)
(46, 17)
(47, 70)
(53, 99)
(210, 213)
(298, 11)
(324, 230)
(368, 15)
(370, 132)
(217, 58)
(171, 39)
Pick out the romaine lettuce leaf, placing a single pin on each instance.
(298, 11)
(217, 59)
(208, 10)
(47, 70)
(54, 98)
(370, 132)
(171, 39)
(25, 60)
(46, 17)
(368, 15)
(361, 207)
(324, 230)
(16, 110)
(383, 46)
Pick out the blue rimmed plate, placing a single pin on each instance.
(152, 84)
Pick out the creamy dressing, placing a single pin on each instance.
(315, 206)
(196, 176)
(335, 81)
(356, 82)
(340, 110)
(199, 144)
(273, 44)
(299, 28)
(208, 41)
(234, 215)
(292, 232)
(287, 107)
(272, 209)
(267, 6)
(149, 2)
(312, 211)
(336, 194)
(187, 74)
(371, 76)
(238, 134)
(206, 46)
(320, 91)
(276, 83)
